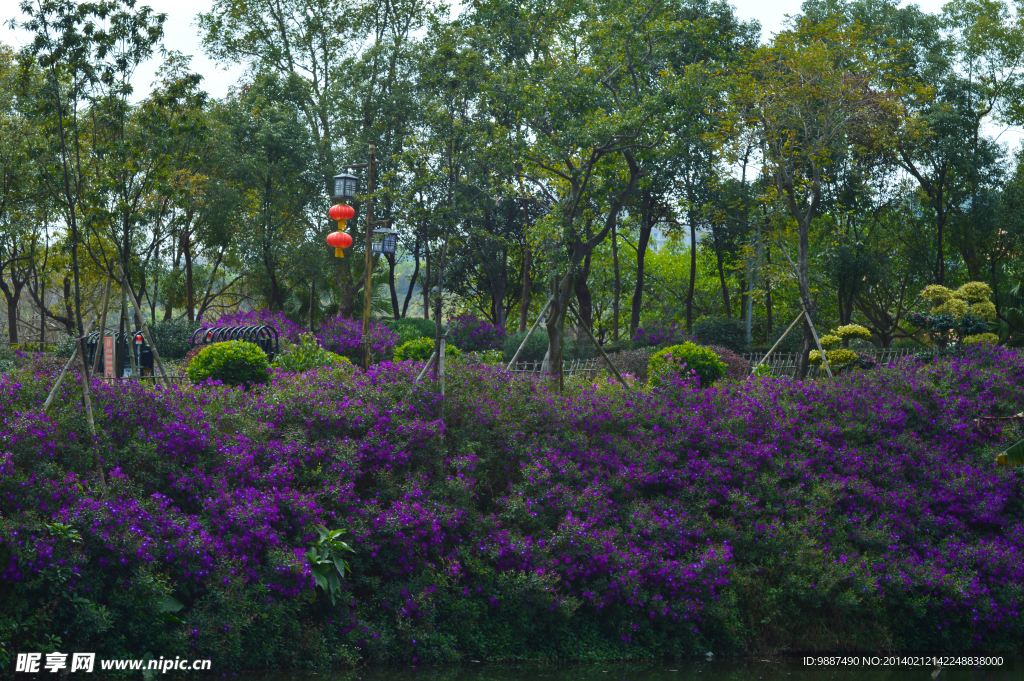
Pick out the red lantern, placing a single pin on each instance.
(339, 240)
(342, 212)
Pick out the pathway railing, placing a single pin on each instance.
(784, 363)
(582, 367)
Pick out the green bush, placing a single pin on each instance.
(727, 332)
(412, 328)
(307, 355)
(65, 346)
(421, 349)
(171, 336)
(534, 350)
(233, 362)
(669, 363)
(8, 360)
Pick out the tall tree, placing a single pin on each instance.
(813, 92)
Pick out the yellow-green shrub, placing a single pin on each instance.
(421, 349)
(233, 362)
(307, 355)
(676, 361)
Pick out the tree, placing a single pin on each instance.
(813, 92)
(82, 49)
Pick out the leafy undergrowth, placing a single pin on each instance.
(758, 516)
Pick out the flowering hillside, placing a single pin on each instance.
(770, 515)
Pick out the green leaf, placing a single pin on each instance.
(169, 604)
(1013, 456)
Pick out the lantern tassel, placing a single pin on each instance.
(339, 253)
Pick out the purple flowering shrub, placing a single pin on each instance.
(287, 330)
(343, 337)
(470, 333)
(655, 333)
(865, 511)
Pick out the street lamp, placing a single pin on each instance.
(384, 241)
(345, 187)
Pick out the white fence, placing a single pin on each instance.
(582, 367)
(784, 363)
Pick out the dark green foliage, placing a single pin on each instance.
(534, 351)
(411, 328)
(233, 362)
(171, 336)
(325, 555)
(724, 331)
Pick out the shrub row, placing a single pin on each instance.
(862, 514)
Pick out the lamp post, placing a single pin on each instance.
(371, 173)
(377, 240)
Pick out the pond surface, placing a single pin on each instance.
(780, 669)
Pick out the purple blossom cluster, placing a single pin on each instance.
(510, 521)
(657, 333)
(344, 337)
(470, 333)
(287, 330)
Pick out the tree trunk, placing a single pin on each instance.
(346, 291)
(646, 227)
(721, 279)
(12, 321)
(617, 286)
(391, 285)
(525, 297)
(768, 296)
(413, 278)
(692, 218)
(555, 324)
(583, 295)
(190, 301)
(312, 305)
(499, 284)
(426, 280)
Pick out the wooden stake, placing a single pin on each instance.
(600, 349)
(92, 423)
(126, 286)
(63, 374)
(821, 351)
(60, 380)
(781, 338)
(529, 333)
(430, 363)
(440, 372)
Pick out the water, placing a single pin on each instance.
(780, 669)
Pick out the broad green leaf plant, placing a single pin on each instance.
(325, 560)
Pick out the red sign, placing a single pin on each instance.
(108, 356)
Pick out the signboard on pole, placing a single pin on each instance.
(108, 356)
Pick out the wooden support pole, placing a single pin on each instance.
(814, 334)
(60, 380)
(781, 338)
(92, 423)
(528, 334)
(598, 345)
(145, 329)
(440, 372)
(63, 374)
(371, 171)
(430, 363)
